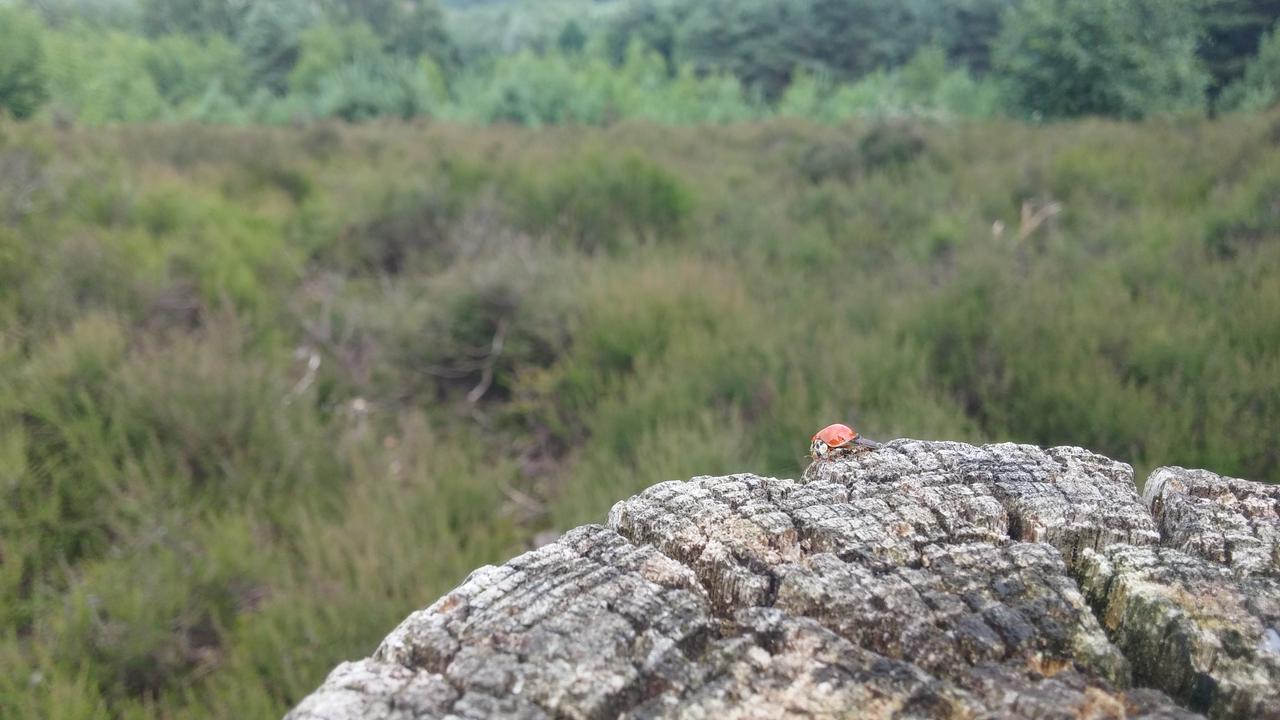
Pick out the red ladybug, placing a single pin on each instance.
(839, 440)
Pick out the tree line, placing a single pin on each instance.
(677, 61)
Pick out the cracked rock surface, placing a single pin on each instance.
(1229, 521)
(923, 580)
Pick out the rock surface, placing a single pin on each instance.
(923, 580)
(1229, 521)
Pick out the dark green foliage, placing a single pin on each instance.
(673, 61)
(1259, 87)
(891, 145)
(324, 48)
(184, 69)
(837, 160)
(885, 146)
(1125, 58)
(115, 14)
(376, 86)
(765, 41)
(271, 39)
(598, 201)
(758, 41)
(968, 28)
(412, 29)
(22, 72)
(572, 38)
(195, 17)
(650, 24)
(1234, 30)
(854, 37)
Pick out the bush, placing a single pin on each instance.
(891, 146)
(56, 421)
(600, 201)
(394, 228)
(22, 74)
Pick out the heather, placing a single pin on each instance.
(263, 391)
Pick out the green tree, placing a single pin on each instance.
(408, 27)
(652, 25)
(271, 39)
(759, 41)
(1259, 89)
(22, 72)
(1124, 58)
(853, 37)
(326, 47)
(1234, 30)
(193, 17)
(967, 30)
(378, 86)
(114, 14)
(572, 38)
(765, 41)
(102, 77)
(420, 30)
(184, 68)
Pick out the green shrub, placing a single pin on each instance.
(59, 424)
(394, 228)
(1247, 217)
(890, 145)
(599, 202)
(22, 72)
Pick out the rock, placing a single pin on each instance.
(1065, 496)
(1191, 628)
(1229, 521)
(921, 580)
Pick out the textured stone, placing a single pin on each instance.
(1191, 627)
(922, 580)
(1065, 496)
(378, 690)
(1229, 521)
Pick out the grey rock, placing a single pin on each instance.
(1191, 627)
(922, 580)
(1065, 496)
(1229, 521)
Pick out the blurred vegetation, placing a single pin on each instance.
(601, 61)
(265, 391)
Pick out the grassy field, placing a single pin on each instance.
(265, 391)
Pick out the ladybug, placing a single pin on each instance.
(839, 441)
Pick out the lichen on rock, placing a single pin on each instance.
(925, 579)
